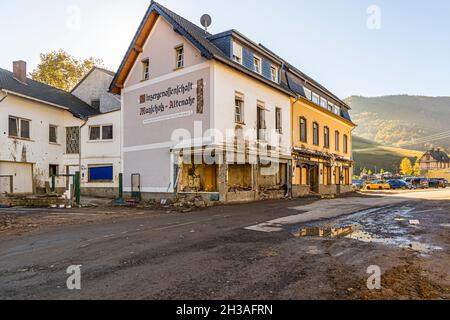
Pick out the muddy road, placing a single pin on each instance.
(249, 251)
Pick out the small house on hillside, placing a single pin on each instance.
(435, 159)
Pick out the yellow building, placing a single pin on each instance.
(321, 139)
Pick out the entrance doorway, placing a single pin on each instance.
(314, 178)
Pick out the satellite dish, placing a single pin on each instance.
(206, 21)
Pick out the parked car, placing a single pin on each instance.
(378, 185)
(358, 184)
(438, 183)
(419, 183)
(399, 184)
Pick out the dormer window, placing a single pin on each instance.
(179, 57)
(145, 69)
(274, 73)
(257, 64)
(237, 53)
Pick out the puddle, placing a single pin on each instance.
(326, 232)
(388, 226)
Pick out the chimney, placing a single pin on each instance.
(20, 70)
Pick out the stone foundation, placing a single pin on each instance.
(32, 201)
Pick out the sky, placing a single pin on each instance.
(352, 47)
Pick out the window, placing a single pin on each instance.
(53, 170)
(257, 64)
(274, 73)
(303, 130)
(239, 109)
(330, 106)
(19, 128)
(278, 120)
(72, 140)
(323, 103)
(95, 104)
(104, 132)
(337, 110)
(53, 134)
(261, 122)
(316, 133)
(100, 173)
(326, 137)
(94, 133)
(345, 143)
(13, 127)
(237, 53)
(337, 138)
(145, 70)
(179, 57)
(315, 98)
(308, 94)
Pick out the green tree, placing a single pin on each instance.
(416, 169)
(370, 172)
(382, 171)
(61, 70)
(406, 167)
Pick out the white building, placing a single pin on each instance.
(185, 103)
(46, 131)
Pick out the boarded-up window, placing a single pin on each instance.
(101, 173)
(72, 140)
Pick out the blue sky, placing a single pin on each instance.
(327, 39)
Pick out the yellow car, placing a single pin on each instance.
(378, 185)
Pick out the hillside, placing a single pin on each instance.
(370, 155)
(400, 120)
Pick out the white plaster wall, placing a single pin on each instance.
(160, 50)
(38, 150)
(96, 86)
(40, 153)
(101, 152)
(227, 82)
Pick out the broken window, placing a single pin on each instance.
(53, 134)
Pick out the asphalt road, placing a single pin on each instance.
(244, 251)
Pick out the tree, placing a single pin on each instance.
(370, 172)
(382, 171)
(416, 169)
(406, 167)
(61, 70)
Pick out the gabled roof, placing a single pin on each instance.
(196, 35)
(35, 90)
(439, 155)
(108, 72)
(203, 42)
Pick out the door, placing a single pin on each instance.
(22, 176)
(136, 186)
(314, 178)
(210, 178)
(338, 179)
